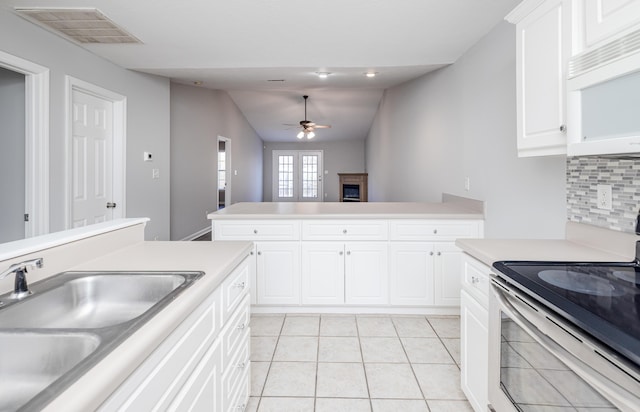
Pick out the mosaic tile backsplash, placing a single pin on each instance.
(583, 176)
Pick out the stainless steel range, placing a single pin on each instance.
(565, 336)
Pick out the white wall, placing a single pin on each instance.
(147, 118)
(338, 157)
(12, 143)
(431, 133)
(198, 117)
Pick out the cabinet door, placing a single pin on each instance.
(540, 77)
(474, 348)
(322, 273)
(366, 273)
(447, 274)
(605, 20)
(411, 273)
(278, 273)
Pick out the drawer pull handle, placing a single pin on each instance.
(474, 280)
(344, 231)
(435, 231)
(241, 326)
(241, 407)
(241, 365)
(255, 231)
(240, 285)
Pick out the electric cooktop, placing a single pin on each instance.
(602, 299)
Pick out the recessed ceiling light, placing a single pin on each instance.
(323, 75)
(197, 83)
(371, 74)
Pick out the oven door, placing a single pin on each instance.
(539, 362)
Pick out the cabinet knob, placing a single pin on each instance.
(241, 365)
(255, 231)
(344, 231)
(241, 407)
(341, 253)
(439, 253)
(430, 253)
(348, 253)
(563, 128)
(474, 279)
(241, 326)
(251, 253)
(259, 253)
(435, 231)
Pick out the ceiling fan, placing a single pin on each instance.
(307, 126)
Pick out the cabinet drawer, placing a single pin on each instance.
(345, 230)
(475, 279)
(240, 398)
(234, 289)
(432, 230)
(256, 230)
(235, 330)
(235, 371)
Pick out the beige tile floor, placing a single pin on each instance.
(355, 363)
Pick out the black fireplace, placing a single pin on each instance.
(350, 193)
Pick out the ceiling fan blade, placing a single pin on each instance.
(322, 126)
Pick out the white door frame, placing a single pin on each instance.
(36, 141)
(227, 165)
(119, 144)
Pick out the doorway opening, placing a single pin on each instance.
(34, 156)
(96, 139)
(224, 173)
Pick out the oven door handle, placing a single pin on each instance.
(622, 398)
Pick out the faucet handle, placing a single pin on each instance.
(21, 288)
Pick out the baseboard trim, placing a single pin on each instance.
(197, 234)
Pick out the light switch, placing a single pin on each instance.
(155, 173)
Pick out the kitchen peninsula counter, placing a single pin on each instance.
(452, 207)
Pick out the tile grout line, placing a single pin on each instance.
(364, 369)
(424, 398)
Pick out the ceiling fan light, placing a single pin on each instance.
(323, 75)
(311, 135)
(370, 74)
(300, 135)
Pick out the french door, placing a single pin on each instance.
(297, 176)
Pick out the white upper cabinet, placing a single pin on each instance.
(541, 61)
(599, 22)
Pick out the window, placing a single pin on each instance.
(297, 176)
(222, 171)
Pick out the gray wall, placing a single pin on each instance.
(12, 172)
(198, 117)
(147, 118)
(338, 157)
(431, 133)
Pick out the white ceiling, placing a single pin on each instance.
(238, 45)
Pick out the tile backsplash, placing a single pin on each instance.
(583, 176)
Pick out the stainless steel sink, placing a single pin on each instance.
(29, 362)
(93, 301)
(72, 320)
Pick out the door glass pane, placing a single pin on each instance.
(309, 176)
(285, 176)
(222, 168)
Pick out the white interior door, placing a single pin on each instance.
(92, 159)
(297, 176)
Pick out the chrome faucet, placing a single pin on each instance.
(21, 288)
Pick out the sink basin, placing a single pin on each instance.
(85, 301)
(70, 322)
(31, 361)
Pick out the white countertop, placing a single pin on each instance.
(583, 243)
(216, 259)
(347, 210)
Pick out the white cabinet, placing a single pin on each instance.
(339, 273)
(602, 21)
(278, 273)
(474, 336)
(322, 273)
(425, 273)
(447, 275)
(366, 273)
(542, 46)
(203, 364)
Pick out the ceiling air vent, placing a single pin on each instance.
(81, 25)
